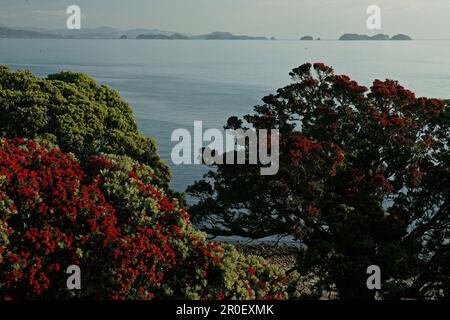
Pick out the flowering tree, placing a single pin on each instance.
(363, 180)
(50, 221)
(108, 217)
(73, 111)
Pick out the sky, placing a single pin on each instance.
(284, 19)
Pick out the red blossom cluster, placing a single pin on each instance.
(390, 89)
(54, 213)
(301, 146)
(347, 86)
(387, 120)
(431, 105)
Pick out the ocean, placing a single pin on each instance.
(172, 83)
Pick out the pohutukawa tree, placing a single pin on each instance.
(363, 180)
(130, 240)
(73, 111)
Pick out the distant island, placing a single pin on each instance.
(217, 35)
(175, 36)
(379, 37)
(157, 34)
(211, 36)
(113, 33)
(401, 37)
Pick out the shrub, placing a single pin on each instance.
(50, 221)
(202, 270)
(363, 180)
(129, 239)
(73, 111)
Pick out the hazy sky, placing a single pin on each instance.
(279, 18)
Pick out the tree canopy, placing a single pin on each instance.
(363, 180)
(73, 111)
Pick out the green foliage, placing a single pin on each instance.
(258, 279)
(73, 111)
(203, 270)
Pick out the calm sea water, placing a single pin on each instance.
(170, 84)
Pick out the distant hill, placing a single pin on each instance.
(114, 33)
(92, 33)
(401, 37)
(14, 33)
(354, 36)
(111, 33)
(210, 36)
(175, 36)
(380, 36)
(133, 34)
(84, 33)
(217, 35)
